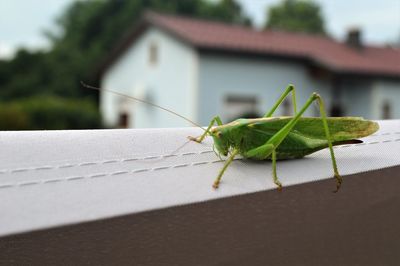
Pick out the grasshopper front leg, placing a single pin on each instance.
(222, 171)
(264, 151)
(199, 139)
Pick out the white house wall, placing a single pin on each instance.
(357, 99)
(385, 91)
(171, 82)
(221, 75)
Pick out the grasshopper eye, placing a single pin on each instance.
(219, 134)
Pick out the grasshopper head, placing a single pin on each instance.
(220, 140)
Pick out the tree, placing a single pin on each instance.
(297, 16)
(88, 31)
(226, 11)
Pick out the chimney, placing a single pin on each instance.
(354, 38)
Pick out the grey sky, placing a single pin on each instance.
(23, 21)
(379, 20)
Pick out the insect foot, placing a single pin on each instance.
(215, 185)
(339, 181)
(279, 186)
(194, 139)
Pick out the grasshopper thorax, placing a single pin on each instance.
(221, 140)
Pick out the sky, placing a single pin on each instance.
(22, 22)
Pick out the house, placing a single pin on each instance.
(200, 69)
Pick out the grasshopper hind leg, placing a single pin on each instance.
(274, 175)
(339, 181)
(263, 152)
(274, 142)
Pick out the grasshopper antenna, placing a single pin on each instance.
(142, 101)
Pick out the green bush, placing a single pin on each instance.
(48, 112)
(13, 117)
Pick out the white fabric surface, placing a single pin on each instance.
(54, 178)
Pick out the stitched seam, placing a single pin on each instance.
(100, 175)
(84, 164)
(48, 167)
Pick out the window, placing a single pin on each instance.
(386, 110)
(153, 53)
(123, 120)
(240, 106)
(336, 110)
(287, 107)
(124, 113)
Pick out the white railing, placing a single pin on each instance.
(52, 179)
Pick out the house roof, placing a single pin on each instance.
(323, 51)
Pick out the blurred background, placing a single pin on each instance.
(200, 58)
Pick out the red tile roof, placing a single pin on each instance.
(334, 55)
(320, 50)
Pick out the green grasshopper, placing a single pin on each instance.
(276, 138)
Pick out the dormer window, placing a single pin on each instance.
(153, 53)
